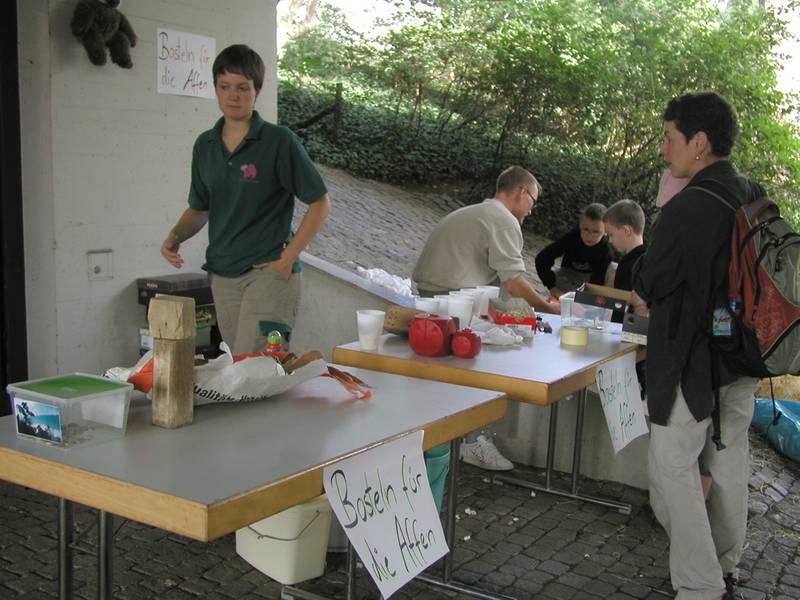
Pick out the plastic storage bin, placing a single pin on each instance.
(576, 314)
(71, 409)
(290, 546)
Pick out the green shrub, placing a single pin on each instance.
(573, 90)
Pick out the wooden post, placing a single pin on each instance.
(172, 325)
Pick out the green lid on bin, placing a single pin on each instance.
(72, 386)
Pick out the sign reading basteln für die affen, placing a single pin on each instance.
(184, 62)
(383, 501)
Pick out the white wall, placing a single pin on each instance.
(105, 164)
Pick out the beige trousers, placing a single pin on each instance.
(243, 302)
(706, 539)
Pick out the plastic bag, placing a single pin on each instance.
(240, 378)
(784, 436)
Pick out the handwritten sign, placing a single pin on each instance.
(184, 63)
(383, 500)
(622, 401)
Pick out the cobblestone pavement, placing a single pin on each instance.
(526, 546)
(509, 541)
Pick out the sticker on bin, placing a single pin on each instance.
(383, 501)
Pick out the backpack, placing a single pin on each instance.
(763, 295)
(756, 328)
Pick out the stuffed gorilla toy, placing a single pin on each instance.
(99, 24)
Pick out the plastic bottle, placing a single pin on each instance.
(274, 341)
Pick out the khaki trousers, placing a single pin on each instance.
(242, 302)
(706, 539)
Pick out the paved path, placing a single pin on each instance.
(526, 546)
(539, 546)
(376, 225)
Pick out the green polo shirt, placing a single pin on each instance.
(249, 194)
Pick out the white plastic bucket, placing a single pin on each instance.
(290, 546)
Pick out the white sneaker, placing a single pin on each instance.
(484, 454)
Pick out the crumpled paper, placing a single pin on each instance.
(497, 335)
(382, 278)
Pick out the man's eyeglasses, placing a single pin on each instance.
(527, 191)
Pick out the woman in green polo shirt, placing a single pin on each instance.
(245, 175)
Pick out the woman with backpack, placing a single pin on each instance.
(683, 277)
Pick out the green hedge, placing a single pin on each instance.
(376, 142)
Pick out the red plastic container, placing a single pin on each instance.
(430, 335)
(504, 319)
(466, 343)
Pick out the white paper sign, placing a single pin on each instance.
(383, 500)
(622, 401)
(184, 62)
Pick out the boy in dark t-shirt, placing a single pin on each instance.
(585, 254)
(624, 223)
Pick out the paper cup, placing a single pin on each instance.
(480, 301)
(429, 305)
(477, 299)
(443, 299)
(461, 308)
(370, 327)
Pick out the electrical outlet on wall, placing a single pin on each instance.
(101, 264)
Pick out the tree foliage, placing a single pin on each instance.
(571, 89)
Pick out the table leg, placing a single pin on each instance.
(551, 445)
(292, 593)
(450, 536)
(105, 555)
(352, 561)
(65, 533)
(452, 501)
(577, 447)
(622, 507)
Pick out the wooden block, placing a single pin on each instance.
(173, 370)
(172, 318)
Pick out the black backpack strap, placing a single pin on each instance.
(719, 191)
(716, 429)
(776, 414)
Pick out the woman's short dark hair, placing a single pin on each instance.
(242, 60)
(707, 112)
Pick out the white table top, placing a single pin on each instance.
(539, 371)
(232, 450)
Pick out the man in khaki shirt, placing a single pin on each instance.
(482, 245)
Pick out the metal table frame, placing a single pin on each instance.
(577, 448)
(105, 552)
(119, 481)
(390, 359)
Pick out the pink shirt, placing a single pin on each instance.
(668, 187)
